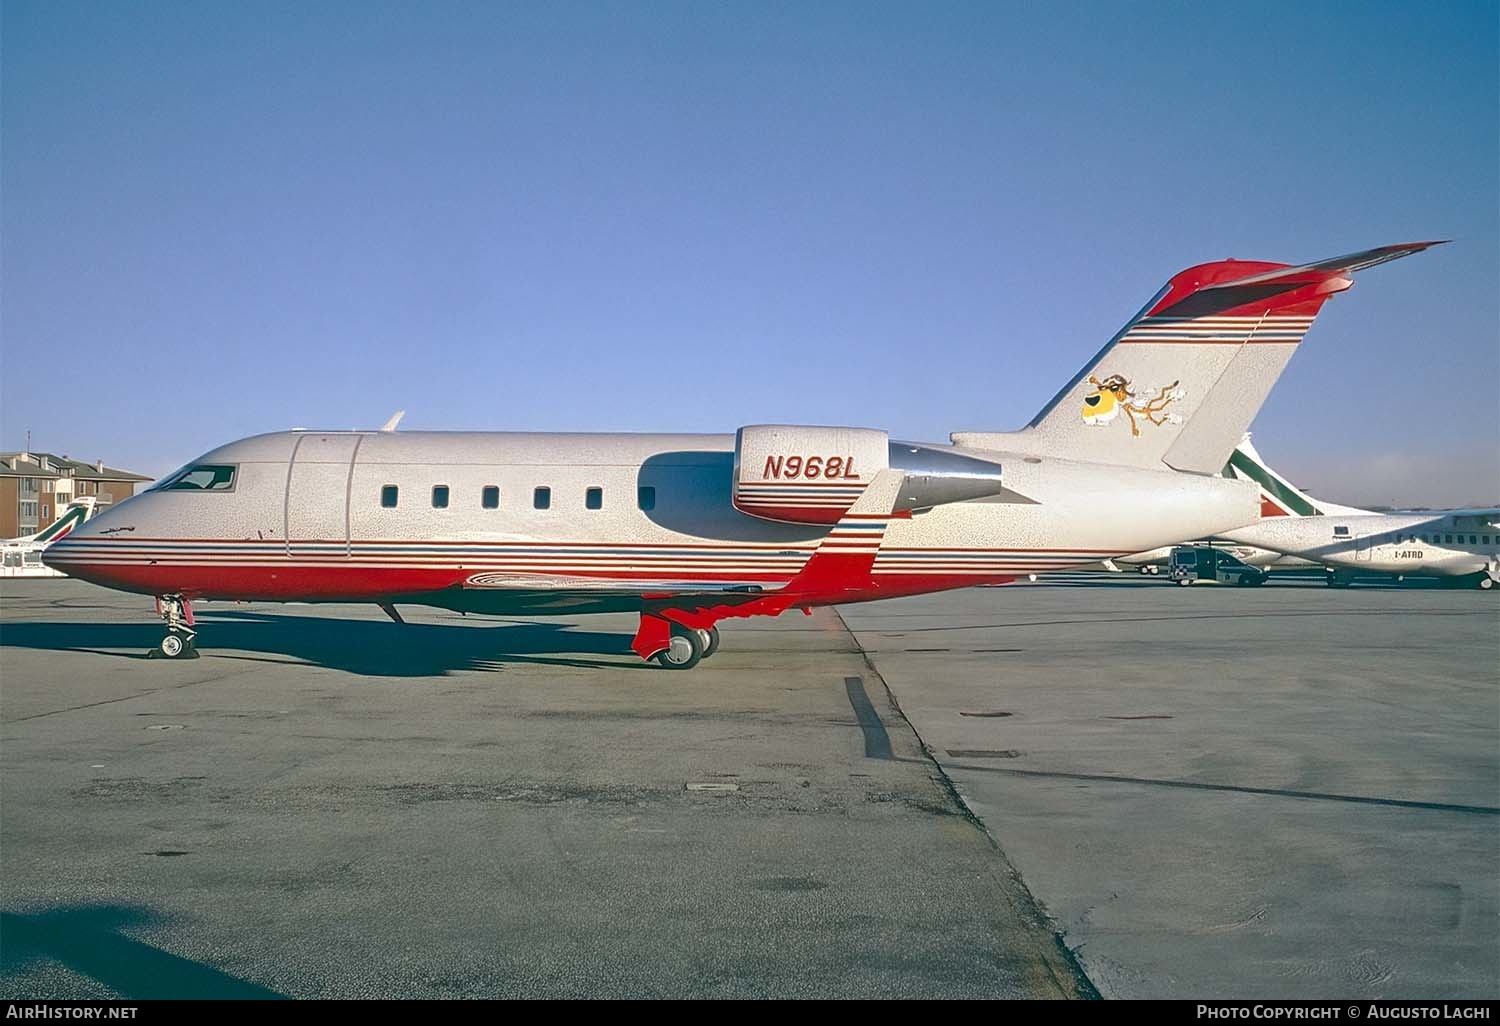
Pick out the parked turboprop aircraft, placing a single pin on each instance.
(1278, 498)
(693, 529)
(22, 557)
(1449, 543)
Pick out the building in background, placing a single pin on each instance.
(36, 486)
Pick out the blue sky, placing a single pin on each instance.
(224, 218)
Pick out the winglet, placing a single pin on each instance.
(390, 425)
(846, 554)
(841, 561)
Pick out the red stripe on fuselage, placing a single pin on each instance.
(371, 584)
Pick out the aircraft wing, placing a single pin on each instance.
(600, 586)
(842, 558)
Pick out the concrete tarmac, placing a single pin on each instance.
(327, 804)
(1288, 791)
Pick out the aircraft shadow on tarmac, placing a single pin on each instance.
(88, 941)
(373, 648)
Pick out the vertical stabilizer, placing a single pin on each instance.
(1181, 382)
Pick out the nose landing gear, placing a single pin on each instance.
(178, 617)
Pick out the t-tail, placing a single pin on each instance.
(1278, 496)
(1181, 382)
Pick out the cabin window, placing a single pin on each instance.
(1341, 532)
(202, 478)
(490, 497)
(542, 498)
(645, 497)
(439, 496)
(388, 496)
(594, 498)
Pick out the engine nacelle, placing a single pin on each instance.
(805, 475)
(812, 475)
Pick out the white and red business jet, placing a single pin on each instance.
(689, 530)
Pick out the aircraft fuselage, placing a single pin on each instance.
(1404, 544)
(498, 520)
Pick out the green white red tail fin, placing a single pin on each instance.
(1278, 496)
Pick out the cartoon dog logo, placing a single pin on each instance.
(1114, 394)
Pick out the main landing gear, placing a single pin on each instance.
(672, 645)
(178, 617)
(710, 641)
(688, 646)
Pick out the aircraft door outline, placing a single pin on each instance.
(316, 503)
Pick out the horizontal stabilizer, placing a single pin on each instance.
(1222, 287)
(1336, 265)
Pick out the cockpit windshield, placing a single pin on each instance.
(202, 477)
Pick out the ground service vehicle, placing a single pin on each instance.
(1204, 564)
